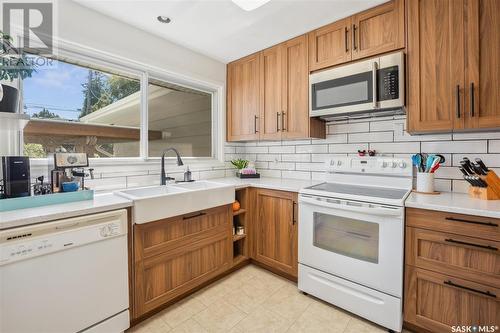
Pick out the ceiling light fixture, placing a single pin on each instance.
(164, 19)
(249, 5)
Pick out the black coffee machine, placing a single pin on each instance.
(16, 176)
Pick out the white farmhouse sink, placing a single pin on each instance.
(160, 202)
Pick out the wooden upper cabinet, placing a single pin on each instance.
(295, 90)
(435, 65)
(378, 30)
(482, 76)
(275, 234)
(271, 107)
(330, 45)
(243, 98)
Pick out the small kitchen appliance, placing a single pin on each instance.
(68, 168)
(374, 86)
(351, 236)
(16, 176)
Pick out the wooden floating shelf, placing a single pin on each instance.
(238, 237)
(238, 212)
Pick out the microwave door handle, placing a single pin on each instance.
(374, 84)
(327, 203)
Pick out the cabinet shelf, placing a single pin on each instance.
(238, 237)
(238, 212)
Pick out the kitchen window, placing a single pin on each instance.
(101, 110)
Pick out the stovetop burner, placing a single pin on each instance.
(367, 191)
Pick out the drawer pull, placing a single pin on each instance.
(489, 224)
(486, 293)
(193, 216)
(487, 247)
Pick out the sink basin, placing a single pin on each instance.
(153, 191)
(160, 202)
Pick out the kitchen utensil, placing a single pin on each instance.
(465, 165)
(469, 163)
(428, 163)
(423, 158)
(463, 171)
(435, 167)
(441, 158)
(478, 169)
(417, 161)
(482, 165)
(435, 162)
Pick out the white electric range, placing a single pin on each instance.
(351, 236)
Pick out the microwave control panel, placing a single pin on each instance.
(388, 83)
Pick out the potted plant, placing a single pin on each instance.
(13, 65)
(244, 170)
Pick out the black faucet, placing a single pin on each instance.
(179, 163)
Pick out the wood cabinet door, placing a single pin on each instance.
(482, 81)
(271, 110)
(295, 89)
(435, 65)
(437, 302)
(175, 255)
(330, 45)
(275, 231)
(243, 98)
(378, 30)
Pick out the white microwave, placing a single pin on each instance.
(368, 86)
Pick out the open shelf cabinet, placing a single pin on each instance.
(241, 219)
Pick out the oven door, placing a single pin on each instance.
(346, 89)
(357, 241)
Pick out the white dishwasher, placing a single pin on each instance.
(65, 276)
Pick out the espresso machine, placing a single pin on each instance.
(69, 173)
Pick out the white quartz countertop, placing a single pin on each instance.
(283, 184)
(459, 203)
(100, 203)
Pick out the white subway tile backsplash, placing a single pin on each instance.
(268, 158)
(281, 166)
(270, 173)
(282, 149)
(476, 136)
(347, 148)
(311, 149)
(296, 174)
(296, 157)
(310, 166)
(371, 137)
(396, 147)
(491, 160)
(494, 146)
(256, 150)
(349, 128)
(455, 147)
(332, 138)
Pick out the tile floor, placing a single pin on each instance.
(253, 300)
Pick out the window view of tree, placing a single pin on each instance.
(74, 108)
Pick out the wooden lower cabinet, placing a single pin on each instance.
(438, 302)
(275, 230)
(175, 255)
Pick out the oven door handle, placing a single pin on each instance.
(352, 207)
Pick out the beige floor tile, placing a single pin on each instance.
(213, 293)
(320, 317)
(266, 281)
(182, 311)
(247, 298)
(219, 317)
(358, 325)
(262, 320)
(288, 302)
(155, 324)
(189, 326)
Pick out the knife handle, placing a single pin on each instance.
(482, 165)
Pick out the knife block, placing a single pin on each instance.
(491, 192)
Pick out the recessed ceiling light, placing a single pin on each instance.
(249, 5)
(164, 19)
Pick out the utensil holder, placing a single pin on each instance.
(425, 182)
(491, 192)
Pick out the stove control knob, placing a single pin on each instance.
(339, 163)
(402, 164)
(332, 162)
(394, 164)
(383, 164)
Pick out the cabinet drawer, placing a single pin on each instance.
(438, 302)
(467, 225)
(164, 277)
(467, 257)
(162, 236)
